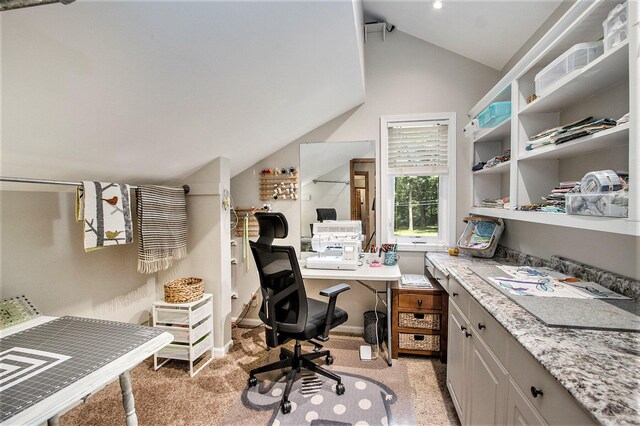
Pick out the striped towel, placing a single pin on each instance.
(162, 227)
(105, 210)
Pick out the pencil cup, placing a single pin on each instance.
(390, 259)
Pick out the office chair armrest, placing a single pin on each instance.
(332, 293)
(335, 290)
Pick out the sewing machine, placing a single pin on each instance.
(338, 244)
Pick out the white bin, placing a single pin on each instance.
(618, 15)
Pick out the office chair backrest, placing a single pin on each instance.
(326, 214)
(281, 282)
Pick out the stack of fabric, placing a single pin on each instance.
(496, 203)
(568, 132)
(494, 161)
(601, 193)
(555, 201)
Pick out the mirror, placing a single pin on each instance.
(339, 178)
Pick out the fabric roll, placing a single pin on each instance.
(162, 227)
(600, 181)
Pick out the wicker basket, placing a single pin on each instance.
(184, 290)
(427, 321)
(419, 342)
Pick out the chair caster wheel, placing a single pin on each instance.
(329, 360)
(252, 381)
(339, 388)
(286, 407)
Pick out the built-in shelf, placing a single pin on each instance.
(603, 140)
(610, 68)
(494, 133)
(604, 224)
(499, 168)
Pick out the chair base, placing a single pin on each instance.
(296, 360)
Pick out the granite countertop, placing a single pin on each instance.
(600, 369)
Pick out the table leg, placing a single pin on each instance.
(127, 399)
(53, 421)
(389, 334)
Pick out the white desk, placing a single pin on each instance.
(388, 274)
(49, 408)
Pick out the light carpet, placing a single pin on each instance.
(218, 395)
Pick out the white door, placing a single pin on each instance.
(520, 412)
(487, 385)
(456, 363)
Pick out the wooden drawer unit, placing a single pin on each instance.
(419, 320)
(544, 392)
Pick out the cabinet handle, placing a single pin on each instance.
(454, 294)
(467, 334)
(463, 328)
(419, 302)
(438, 278)
(535, 392)
(481, 326)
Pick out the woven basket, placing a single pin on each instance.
(428, 321)
(419, 342)
(184, 290)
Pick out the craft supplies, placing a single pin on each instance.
(15, 310)
(454, 251)
(600, 181)
(413, 280)
(279, 184)
(184, 290)
(481, 235)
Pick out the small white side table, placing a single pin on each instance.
(191, 325)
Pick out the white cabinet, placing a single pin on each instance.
(456, 359)
(191, 325)
(519, 410)
(606, 88)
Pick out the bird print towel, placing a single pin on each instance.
(162, 227)
(105, 211)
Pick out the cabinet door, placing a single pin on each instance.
(487, 385)
(456, 359)
(519, 410)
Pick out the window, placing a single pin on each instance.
(418, 180)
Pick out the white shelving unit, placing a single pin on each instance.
(191, 325)
(605, 88)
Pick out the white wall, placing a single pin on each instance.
(404, 75)
(43, 258)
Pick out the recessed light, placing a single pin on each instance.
(437, 4)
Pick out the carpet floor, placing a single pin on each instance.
(218, 394)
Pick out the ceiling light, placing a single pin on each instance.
(437, 4)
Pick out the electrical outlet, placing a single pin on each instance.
(254, 301)
(234, 295)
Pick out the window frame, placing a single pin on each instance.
(447, 187)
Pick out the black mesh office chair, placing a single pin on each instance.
(287, 312)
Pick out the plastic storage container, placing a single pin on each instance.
(470, 129)
(494, 114)
(618, 15)
(573, 59)
(481, 235)
(619, 34)
(610, 204)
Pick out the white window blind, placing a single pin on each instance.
(419, 147)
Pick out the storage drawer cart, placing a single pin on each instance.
(192, 327)
(419, 320)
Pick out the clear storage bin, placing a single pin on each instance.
(618, 15)
(610, 204)
(619, 34)
(494, 114)
(577, 57)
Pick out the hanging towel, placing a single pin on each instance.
(162, 227)
(105, 211)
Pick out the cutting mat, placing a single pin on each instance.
(595, 314)
(45, 359)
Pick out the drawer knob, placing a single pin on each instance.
(481, 326)
(463, 328)
(454, 294)
(438, 278)
(467, 334)
(419, 301)
(535, 392)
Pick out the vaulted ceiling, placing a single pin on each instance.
(150, 91)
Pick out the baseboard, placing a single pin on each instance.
(220, 352)
(347, 329)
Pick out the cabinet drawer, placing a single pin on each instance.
(419, 301)
(417, 320)
(429, 268)
(181, 351)
(489, 330)
(181, 334)
(459, 296)
(419, 342)
(181, 315)
(442, 278)
(555, 404)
